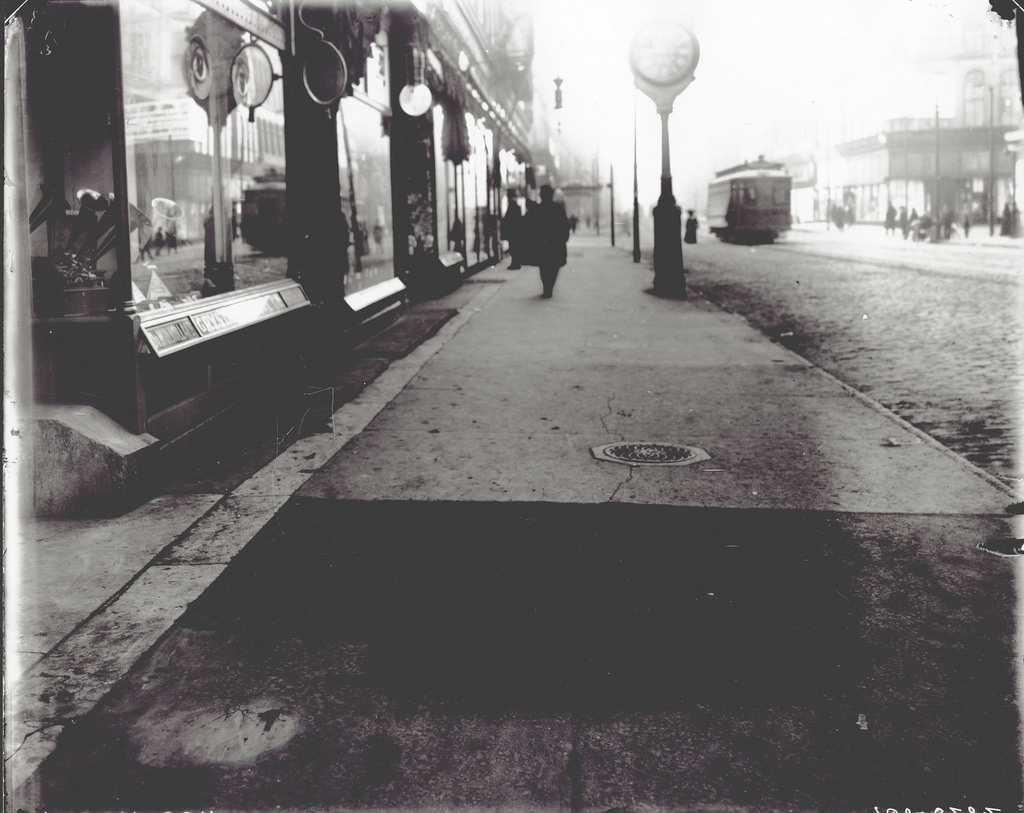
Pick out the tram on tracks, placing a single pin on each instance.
(750, 203)
(262, 223)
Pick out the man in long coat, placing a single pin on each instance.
(547, 227)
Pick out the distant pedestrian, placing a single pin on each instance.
(171, 238)
(947, 223)
(573, 222)
(547, 229)
(456, 235)
(904, 222)
(838, 216)
(967, 225)
(145, 250)
(691, 227)
(511, 229)
(209, 240)
(158, 240)
(890, 219)
(1005, 222)
(923, 229)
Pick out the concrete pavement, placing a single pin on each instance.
(832, 542)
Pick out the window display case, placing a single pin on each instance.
(73, 176)
(364, 164)
(204, 144)
(154, 130)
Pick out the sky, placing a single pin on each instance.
(758, 60)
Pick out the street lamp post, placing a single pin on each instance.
(636, 198)
(663, 57)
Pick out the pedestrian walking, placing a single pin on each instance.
(511, 229)
(967, 225)
(456, 234)
(171, 238)
(145, 248)
(947, 222)
(838, 216)
(209, 240)
(904, 222)
(890, 219)
(691, 227)
(546, 227)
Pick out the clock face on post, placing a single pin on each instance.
(664, 54)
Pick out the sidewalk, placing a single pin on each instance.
(502, 403)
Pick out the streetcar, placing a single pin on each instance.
(262, 224)
(750, 203)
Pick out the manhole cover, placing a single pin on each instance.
(647, 453)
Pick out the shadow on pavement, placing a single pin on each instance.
(424, 655)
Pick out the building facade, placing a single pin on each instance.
(947, 145)
(200, 194)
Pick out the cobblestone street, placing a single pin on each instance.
(930, 331)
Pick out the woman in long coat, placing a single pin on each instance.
(547, 228)
(690, 235)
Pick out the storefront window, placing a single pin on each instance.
(444, 174)
(70, 106)
(475, 202)
(205, 172)
(485, 225)
(364, 161)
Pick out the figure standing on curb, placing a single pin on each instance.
(511, 228)
(691, 227)
(547, 226)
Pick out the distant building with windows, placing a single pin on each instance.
(948, 142)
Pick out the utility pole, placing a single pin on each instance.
(935, 203)
(636, 198)
(991, 162)
(611, 195)
(906, 168)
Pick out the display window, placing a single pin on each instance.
(204, 141)
(71, 110)
(472, 200)
(364, 162)
(472, 205)
(485, 242)
(450, 192)
(444, 190)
